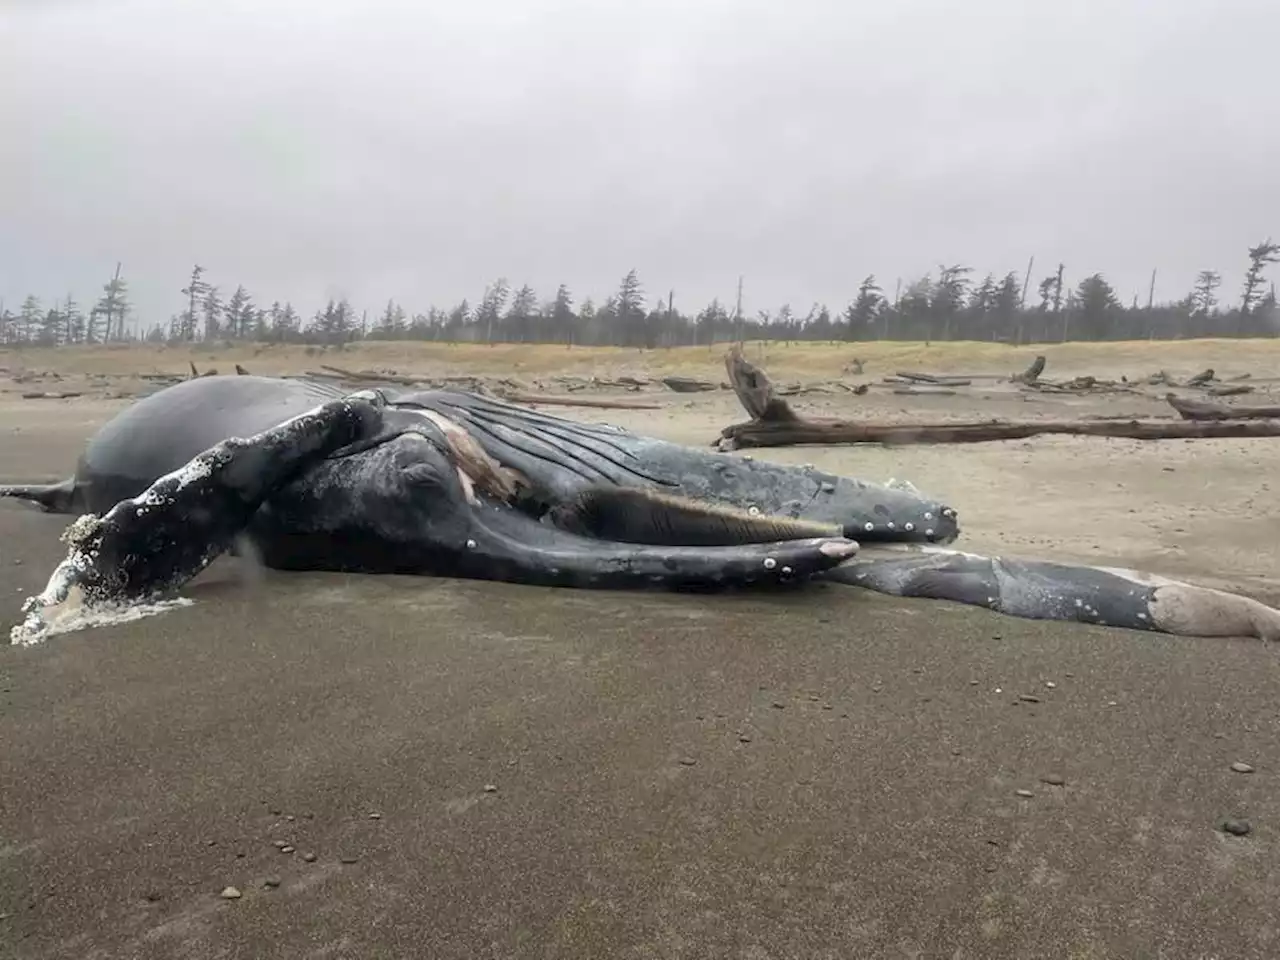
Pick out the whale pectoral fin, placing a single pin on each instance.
(52, 497)
(934, 575)
(1042, 590)
(152, 544)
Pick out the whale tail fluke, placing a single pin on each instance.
(52, 497)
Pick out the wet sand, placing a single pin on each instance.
(817, 773)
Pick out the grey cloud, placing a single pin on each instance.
(417, 150)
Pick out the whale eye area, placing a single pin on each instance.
(421, 474)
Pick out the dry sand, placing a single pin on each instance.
(871, 811)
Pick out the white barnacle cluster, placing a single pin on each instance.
(81, 529)
(189, 473)
(928, 531)
(1086, 608)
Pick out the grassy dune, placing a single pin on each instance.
(801, 360)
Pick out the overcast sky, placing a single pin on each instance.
(417, 149)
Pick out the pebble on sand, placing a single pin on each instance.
(1054, 779)
(309, 857)
(348, 859)
(279, 844)
(1025, 794)
(687, 761)
(286, 849)
(1237, 828)
(490, 788)
(1241, 767)
(230, 893)
(271, 882)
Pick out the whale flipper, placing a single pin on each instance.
(146, 547)
(1047, 590)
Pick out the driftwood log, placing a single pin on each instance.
(534, 398)
(1207, 410)
(901, 381)
(774, 424)
(1032, 373)
(763, 433)
(1200, 379)
(688, 384)
(924, 391)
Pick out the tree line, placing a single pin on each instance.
(953, 304)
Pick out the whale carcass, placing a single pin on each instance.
(309, 476)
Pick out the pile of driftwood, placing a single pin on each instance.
(504, 388)
(1206, 380)
(514, 391)
(917, 384)
(913, 383)
(774, 424)
(1033, 379)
